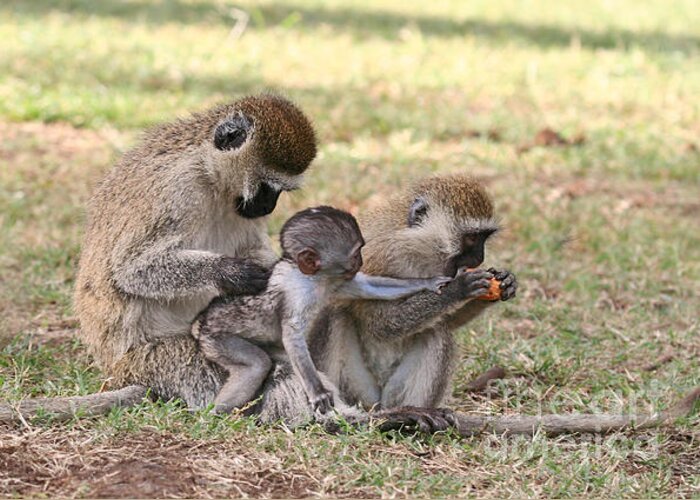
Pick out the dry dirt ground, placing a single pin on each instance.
(60, 462)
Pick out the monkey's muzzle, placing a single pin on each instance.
(263, 203)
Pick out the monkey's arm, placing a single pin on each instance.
(166, 271)
(467, 312)
(293, 338)
(365, 286)
(417, 312)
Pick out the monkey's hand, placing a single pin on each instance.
(322, 402)
(241, 276)
(470, 284)
(508, 283)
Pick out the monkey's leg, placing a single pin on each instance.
(337, 352)
(247, 366)
(423, 376)
(174, 368)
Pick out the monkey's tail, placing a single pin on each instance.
(61, 409)
(470, 425)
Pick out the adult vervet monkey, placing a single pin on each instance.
(178, 221)
(402, 352)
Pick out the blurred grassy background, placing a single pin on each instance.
(604, 233)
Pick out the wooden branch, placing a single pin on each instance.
(470, 425)
(61, 409)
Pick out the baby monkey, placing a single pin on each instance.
(321, 260)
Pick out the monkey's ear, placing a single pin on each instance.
(417, 212)
(308, 261)
(232, 133)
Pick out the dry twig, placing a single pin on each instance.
(482, 381)
(469, 425)
(62, 409)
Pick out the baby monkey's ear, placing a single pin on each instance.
(309, 261)
(232, 133)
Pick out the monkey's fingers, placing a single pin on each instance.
(241, 276)
(449, 416)
(475, 288)
(508, 283)
(475, 274)
(502, 285)
(413, 419)
(508, 292)
(406, 423)
(323, 403)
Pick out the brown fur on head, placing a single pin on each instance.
(413, 233)
(287, 136)
(287, 142)
(278, 145)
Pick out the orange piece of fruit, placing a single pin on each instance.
(494, 292)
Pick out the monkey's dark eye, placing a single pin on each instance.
(417, 212)
(469, 241)
(232, 133)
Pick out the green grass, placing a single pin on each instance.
(604, 236)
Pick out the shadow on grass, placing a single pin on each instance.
(362, 23)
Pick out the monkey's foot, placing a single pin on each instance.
(322, 402)
(414, 419)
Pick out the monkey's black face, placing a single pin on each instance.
(263, 203)
(471, 254)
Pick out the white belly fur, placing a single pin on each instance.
(224, 234)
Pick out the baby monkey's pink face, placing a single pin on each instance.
(354, 261)
(337, 259)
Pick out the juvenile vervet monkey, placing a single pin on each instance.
(321, 259)
(398, 353)
(178, 221)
